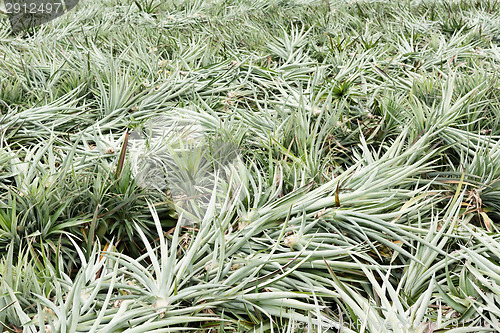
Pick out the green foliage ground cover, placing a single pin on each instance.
(366, 193)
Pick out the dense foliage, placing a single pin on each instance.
(362, 189)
